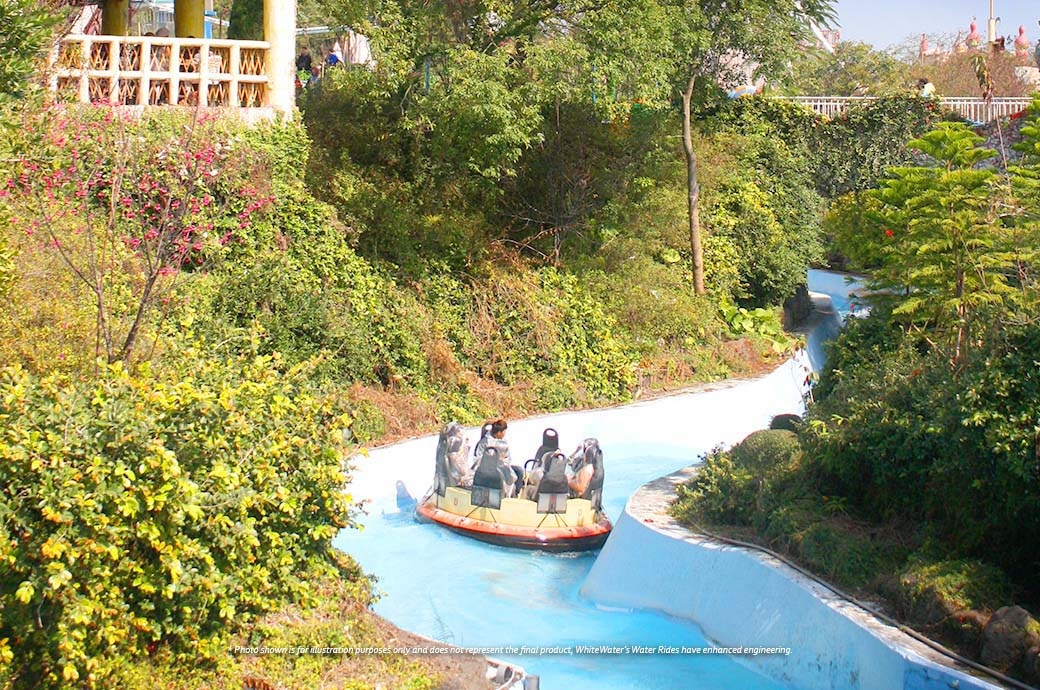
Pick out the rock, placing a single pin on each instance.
(797, 307)
(1010, 633)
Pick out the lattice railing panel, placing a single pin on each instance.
(128, 90)
(99, 56)
(219, 94)
(155, 71)
(252, 95)
(253, 62)
(70, 56)
(100, 90)
(159, 92)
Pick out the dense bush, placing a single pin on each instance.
(767, 451)
(118, 212)
(846, 154)
(739, 487)
(768, 212)
(552, 328)
(901, 435)
(164, 508)
(853, 150)
(766, 484)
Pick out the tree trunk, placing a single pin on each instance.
(694, 191)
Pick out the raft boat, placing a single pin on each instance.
(550, 524)
(550, 519)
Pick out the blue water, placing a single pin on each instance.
(471, 594)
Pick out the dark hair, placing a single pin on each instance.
(498, 426)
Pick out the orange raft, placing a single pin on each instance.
(553, 523)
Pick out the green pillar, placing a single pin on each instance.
(115, 17)
(189, 18)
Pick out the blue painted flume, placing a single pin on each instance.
(525, 605)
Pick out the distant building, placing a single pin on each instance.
(826, 39)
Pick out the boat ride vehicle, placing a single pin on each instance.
(553, 503)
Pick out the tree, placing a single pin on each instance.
(25, 35)
(128, 208)
(684, 52)
(688, 51)
(945, 257)
(957, 75)
(853, 69)
(246, 20)
(765, 32)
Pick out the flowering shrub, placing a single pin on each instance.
(164, 508)
(127, 207)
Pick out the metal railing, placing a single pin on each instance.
(156, 71)
(974, 109)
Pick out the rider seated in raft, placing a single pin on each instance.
(494, 474)
(585, 475)
(452, 468)
(497, 461)
(497, 440)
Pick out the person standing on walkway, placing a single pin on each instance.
(303, 61)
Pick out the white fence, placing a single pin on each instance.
(152, 70)
(974, 109)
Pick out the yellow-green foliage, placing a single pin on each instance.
(48, 322)
(545, 324)
(164, 508)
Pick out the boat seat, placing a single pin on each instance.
(550, 443)
(485, 497)
(552, 503)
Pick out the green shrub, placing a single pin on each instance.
(721, 493)
(846, 556)
(555, 393)
(768, 212)
(167, 508)
(551, 328)
(652, 303)
(789, 422)
(767, 452)
(587, 339)
(28, 31)
(902, 435)
(367, 422)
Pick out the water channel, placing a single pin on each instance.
(471, 594)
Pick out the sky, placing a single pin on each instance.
(887, 22)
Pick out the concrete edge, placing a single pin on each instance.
(648, 506)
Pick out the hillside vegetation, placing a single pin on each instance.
(915, 477)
